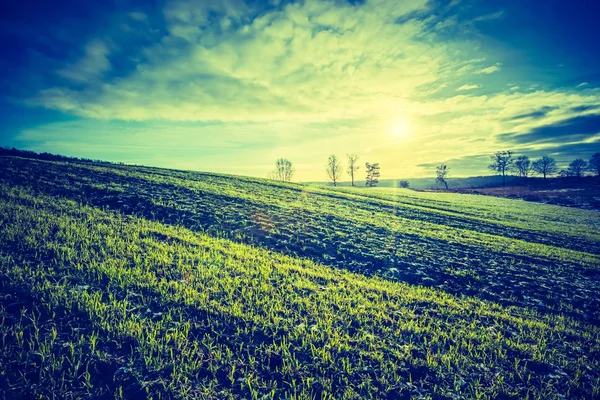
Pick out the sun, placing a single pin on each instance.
(400, 129)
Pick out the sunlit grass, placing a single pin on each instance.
(139, 282)
(120, 305)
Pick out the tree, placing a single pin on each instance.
(577, 167)
(352, 166)
(334, 169)
(404, 184)
(501, 163)
(523, 166)
(284, 170)
(441, 172)
(595, 164)
(372, 174)
(545, 166)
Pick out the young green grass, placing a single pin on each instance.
(99, 304)
(511, 252)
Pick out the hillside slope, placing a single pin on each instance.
(507, 251)
(142, 281)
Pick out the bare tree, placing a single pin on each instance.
(284, 170)
(333, 169)
(441, 172)
(577, 167)
(288, 171)
(523, 166)
(404, 184)
(595, 164)
(352, 166)
(501, 163)
(372, 174)
(545, 166)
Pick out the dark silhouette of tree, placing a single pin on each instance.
(372, 174)
(333, 169)
(577, 167)
(523, 166)
(404, 184)
(352, 166)
(595, 164)
(441, 172)
(545, 166)
(501, 163)
(284, 170)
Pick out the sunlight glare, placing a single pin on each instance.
(400, 129)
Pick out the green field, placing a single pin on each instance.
(136, 282)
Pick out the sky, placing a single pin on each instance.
(231, 85)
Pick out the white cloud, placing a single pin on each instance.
(468, 86)
(489, 70)
(582, 84)
(315, 60)
(489, 17)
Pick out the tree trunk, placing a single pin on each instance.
(446, 183)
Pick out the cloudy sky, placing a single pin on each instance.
(231, 85)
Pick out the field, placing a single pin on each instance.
(585, 195)
(136, 282)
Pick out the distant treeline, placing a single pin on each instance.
(503, 163)
(5, 151)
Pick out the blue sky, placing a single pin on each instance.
(232, 85)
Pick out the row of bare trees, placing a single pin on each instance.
(284, 170)
(334, 170)
(503, 162)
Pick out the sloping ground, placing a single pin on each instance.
(507, 251)
(95, 303)
(585, 195)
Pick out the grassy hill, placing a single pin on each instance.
(134, 282)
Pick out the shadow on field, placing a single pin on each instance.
(358, 246)
(17, 303)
